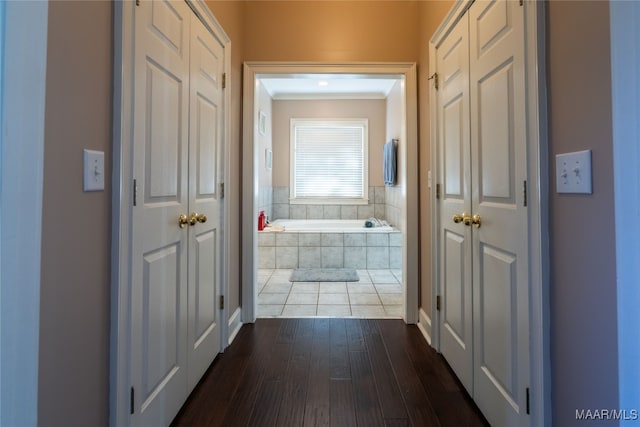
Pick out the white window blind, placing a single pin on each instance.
(329, 160)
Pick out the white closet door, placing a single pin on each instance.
(500, 244)
(159, 245)
(456, 327)
(205, 172)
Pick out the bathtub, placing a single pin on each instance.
(329, 244)
(327, 226)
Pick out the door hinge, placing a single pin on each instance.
(221, 302)
(135, 192)
(524, 192)
(133, 401)
(437, 191)
(137, 2)
(222, 190)
(438, 303)
(224, 80)
(521, 2)
(528, 406)
(434, 77)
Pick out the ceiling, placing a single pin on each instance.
(329, 86)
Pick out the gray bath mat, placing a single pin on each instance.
(324, 275)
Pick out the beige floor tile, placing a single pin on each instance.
(334, 310)
(293, 310)
(364, 299)
(360, 288)
(342, 298)
(391, 299)
(268, 298)
(277, 288)
(368, 311)
(302, 298)
(268, 310)
(388, 288)
(305, 287)
(333, 287)
(394, 310)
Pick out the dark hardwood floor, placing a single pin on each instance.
(329, 372)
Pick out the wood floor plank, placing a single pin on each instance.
(317, 408)
(339, 350)
(365, 396)
(419, 408)
(343, 411)
(324, 372)
(391, 400)
(296, 381)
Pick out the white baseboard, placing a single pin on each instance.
(424, 324)
(234, 324)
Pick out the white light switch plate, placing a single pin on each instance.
(93, 170)
(573, 172)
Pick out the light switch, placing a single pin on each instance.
(93, 170)
(573, 172)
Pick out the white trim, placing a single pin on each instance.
(327, 96)
(234, 325)
(625, 66)
(537, 160)
(119, 382)
(425, 325)
(255, 70)
(23, 32)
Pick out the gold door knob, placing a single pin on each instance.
(197, 218)
(467, 219)
(183, 220)
(476, 220)
(457, 218)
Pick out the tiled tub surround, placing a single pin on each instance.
(365, 249)
(282, 209)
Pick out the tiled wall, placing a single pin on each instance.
(378, 250)
(265, 201)
(283, 210)
(393, 206)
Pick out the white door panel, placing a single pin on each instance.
(500, 278)
(177, 167)
(159, 245)
(206, 68)
(456, 338)
(484, 285)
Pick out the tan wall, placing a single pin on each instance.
(583, 280)
(285, 110)
(431, 14)
(230, 16)
(73, 383)
(331, 31)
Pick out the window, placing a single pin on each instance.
(329, 161)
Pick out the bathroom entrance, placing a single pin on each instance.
(328, 151)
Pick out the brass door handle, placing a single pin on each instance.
(183, 220)
(476, 221)
(457, 218)
(467, 219)
(197, 218)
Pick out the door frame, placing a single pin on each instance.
(122, 196)
(23, 67)
(538, 183)
(410, 251)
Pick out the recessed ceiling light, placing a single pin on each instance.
(323, 83)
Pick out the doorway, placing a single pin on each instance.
(256, 122)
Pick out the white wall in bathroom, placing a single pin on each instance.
(395, 196)
(264, 139)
